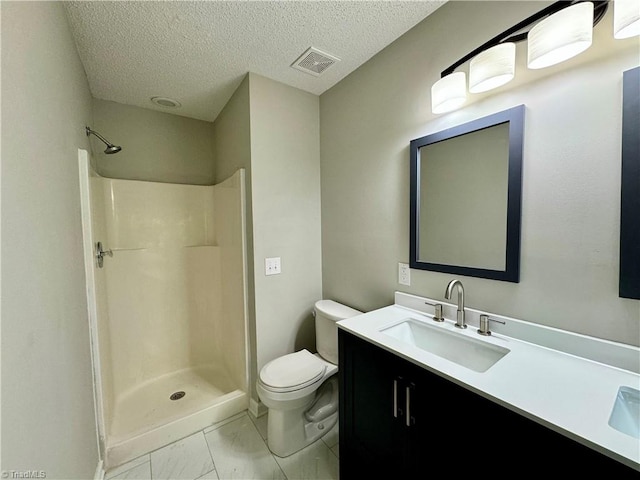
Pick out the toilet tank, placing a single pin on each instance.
(327, 313)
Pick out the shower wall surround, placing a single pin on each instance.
(171, 305)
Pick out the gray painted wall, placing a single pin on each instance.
(571, 179)
(272, 130)
(285, 158)
(156, 146)
(48, 420)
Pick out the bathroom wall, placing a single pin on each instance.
(285, 166)
(46, 362)
(272, 130)
(571, 179)
(156, 146)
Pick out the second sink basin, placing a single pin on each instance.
(467, 352)
(625, 415)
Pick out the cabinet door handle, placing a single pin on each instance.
(395, 398)
(408, 390)
(409, 420)
(397, 410)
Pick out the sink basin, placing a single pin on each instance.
(625, 415)
(467, 352)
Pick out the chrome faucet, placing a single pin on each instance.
(460, 323)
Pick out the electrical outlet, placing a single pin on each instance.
(404, 274)
(272, 266)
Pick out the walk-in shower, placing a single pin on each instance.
(167, 308)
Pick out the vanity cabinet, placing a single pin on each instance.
(399, 420)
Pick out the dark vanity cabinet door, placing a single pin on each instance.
(372, 428)
(398, 420)
(386, 420)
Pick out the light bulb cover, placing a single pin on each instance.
(449, 93)
(492, 68)
(560, 36)
(166, 102)
(626, 18)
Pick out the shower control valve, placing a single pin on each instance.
(100, 253)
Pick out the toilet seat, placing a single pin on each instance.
(291, 372)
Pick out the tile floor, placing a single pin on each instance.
(233, 449)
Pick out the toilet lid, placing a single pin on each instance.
(292, 371)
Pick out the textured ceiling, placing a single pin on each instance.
(198, 52)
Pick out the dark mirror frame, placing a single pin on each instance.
(515, 117)
(629, 282)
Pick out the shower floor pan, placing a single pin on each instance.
(146, 418)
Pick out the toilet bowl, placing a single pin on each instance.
(300, 389)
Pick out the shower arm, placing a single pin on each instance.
(111, 148)
(104, 140)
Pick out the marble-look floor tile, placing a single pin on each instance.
(239, 452)
(261, 424)
(314, 462)
(141, 472)
(185, 459)
(126, 466)
(212, 475)
(224, 422)
(331, 437)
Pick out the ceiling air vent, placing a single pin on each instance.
(314, 62)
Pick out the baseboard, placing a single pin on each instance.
(257, 409)
(99, 475)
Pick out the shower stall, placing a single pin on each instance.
(167, 307)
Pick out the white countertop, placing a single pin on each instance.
(571, 394)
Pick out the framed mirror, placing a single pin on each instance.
(465, 203)
(629, 283)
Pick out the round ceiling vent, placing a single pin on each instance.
(166, 102)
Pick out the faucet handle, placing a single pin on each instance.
(484, 324)
(438, 311)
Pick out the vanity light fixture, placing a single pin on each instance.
(449, 92)
(492, 68)
(560, 36)
(626, 18)
(555, 34)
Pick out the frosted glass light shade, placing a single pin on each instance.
(492, 68)
(449, 93)
(626, 18)
(561, 36)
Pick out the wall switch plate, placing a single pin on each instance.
(272, 266)
(404, 274)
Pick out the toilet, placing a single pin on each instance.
(301, 389)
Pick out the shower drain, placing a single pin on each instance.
(177, 395)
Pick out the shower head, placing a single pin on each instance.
(111, 148)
